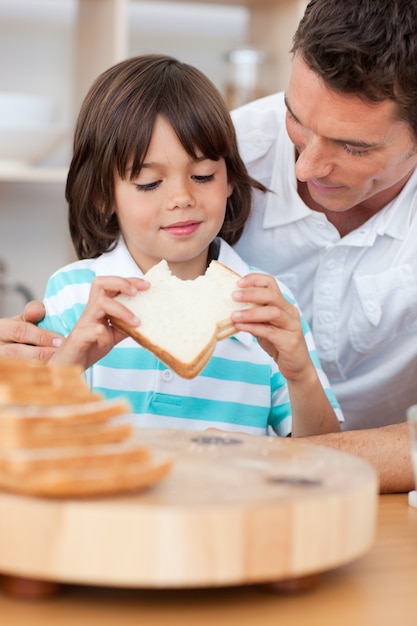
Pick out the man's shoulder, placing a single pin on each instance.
(258, 125)
(254, 113)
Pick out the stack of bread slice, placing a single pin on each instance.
(58, 439)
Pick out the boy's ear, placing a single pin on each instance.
(100, 206)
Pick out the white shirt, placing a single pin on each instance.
(357, 292)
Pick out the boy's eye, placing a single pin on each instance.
(204, 179)
(148, 186)
(155, 184)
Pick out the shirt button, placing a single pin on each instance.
(167, 375)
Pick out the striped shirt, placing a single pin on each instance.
(241, 388)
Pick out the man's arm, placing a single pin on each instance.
(387, 448)
(21, 338)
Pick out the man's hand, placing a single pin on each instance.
(20, 338)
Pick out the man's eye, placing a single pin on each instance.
(350, 150)
(291, 117)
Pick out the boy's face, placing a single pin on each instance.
(174, 208)
(351, 153)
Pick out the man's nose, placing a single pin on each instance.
(314, 160)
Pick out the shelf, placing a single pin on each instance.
(244, 3)
(29, 174)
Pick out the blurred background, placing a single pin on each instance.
(51, 51)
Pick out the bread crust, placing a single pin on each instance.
(185, 370)
(24, 461)
(88, 481)
(44, 426)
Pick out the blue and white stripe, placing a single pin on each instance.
(240, 389)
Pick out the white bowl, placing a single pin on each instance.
(28, 128)
(20, 147)
(26, 110)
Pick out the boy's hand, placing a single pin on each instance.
(275, 323)
(93, 336)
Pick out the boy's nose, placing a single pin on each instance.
(181, 196)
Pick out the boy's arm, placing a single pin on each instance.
(311, 410)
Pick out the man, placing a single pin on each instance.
(340, 228)
(339, 154)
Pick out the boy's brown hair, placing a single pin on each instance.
(114, 130)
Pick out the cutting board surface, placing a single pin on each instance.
(234, 509)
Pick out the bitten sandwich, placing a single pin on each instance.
(181, 320)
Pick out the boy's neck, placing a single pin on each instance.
(196, 267)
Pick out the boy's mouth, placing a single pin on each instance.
(182, 228)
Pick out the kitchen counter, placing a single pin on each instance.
(379, 588)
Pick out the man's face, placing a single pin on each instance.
(350, 153)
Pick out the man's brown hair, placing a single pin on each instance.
(366, 48)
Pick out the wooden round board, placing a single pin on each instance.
(234, 509)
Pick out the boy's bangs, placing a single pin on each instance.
(199, 133)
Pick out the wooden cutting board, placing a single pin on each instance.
(235, 509)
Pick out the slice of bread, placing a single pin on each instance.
(75, 435)
(37, 383)
(87, 423)
(94, 480)
(22, 462)
(61, 417)
(181, 320)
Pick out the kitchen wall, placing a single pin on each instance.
(34, 237)
(201, 34)
(38, 44)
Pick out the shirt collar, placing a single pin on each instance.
(119, 260)
(284, 207)
(395, 219)
(231, 259)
